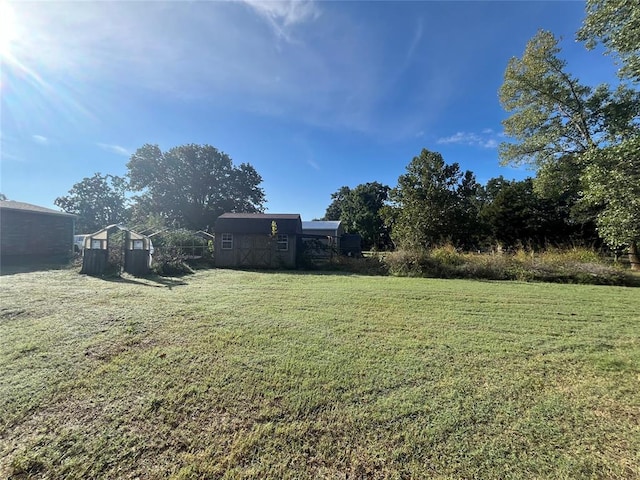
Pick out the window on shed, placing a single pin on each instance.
(227, 241)
(283, 242)
(138, 245)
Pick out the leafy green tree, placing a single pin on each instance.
(552, 116)
(359, 209)
(427, 205)
(98, 201)
(361, 214)
(517, 215)
(337, 205)
(191, 185)
(612, 182)
(561, 126)
(615, 24)
(471, 196)
(612, 173)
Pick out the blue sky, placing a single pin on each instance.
(315, 95)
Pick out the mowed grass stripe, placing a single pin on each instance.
(229, 374)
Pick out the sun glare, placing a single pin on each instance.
(8, 29)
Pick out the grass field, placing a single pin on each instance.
(227, 374)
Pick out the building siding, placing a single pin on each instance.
(254, 245)
(255, 251)
(39, 236)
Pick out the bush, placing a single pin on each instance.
(360, 266)
(407, 263)
(178, 252)
(447, 256)
(185, 243)
(167, 263)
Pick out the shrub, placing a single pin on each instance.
(447, 256)
(360, 266)
(408, 263)
(168, 263)
(178, 252)
(184, 242)
(571, 256)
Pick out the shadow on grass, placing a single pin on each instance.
(14, 269)
(150, 281)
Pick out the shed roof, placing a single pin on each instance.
(321, 225)
(104, 233)
(28, 207)
(289, 223)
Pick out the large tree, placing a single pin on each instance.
(431, 204)
(338, 204)
(612, 182)
(359, 210)
(560, 125)
(553, 117)
(612, 177)
(98, 201)
(191, 185)
(615, 24)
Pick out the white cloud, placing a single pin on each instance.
(313, 164)
(40, 139)
(325, 68)
(459, 137)
(485, 139)
(282, 16)
(117, 149)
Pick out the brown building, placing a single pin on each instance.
(33, 234)
(257, 240)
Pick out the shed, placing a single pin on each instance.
(322, 238)
(33, 234)
(132, 252)
(257, 240)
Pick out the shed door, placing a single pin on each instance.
(254, 251)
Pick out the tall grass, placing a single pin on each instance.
(575, 265)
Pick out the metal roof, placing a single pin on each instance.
(321, 225)
(27, 207)
(270, 216)
(258, 223)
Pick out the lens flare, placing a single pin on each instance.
(8, 29)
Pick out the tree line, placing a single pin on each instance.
(185, 187)
(583, 142)
(436, 203)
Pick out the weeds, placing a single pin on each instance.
(575, 265)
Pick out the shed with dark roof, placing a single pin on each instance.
(257, 240)
(31, 234)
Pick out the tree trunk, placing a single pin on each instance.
(634, 257)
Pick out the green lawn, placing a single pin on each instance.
(227, 374)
